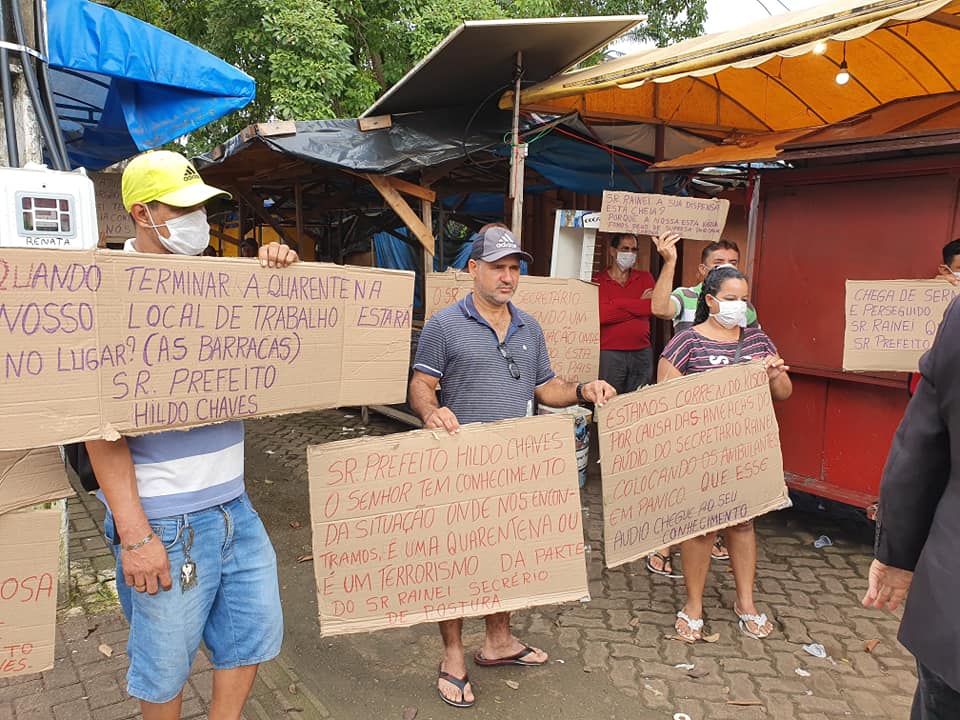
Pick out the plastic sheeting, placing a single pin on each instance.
(122, 86)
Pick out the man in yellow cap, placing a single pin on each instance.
(193, 559)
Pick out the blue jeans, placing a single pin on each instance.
(234, 605)
(934, 699)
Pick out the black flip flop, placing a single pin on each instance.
(517, 659)
(664, 560)
(459, 683)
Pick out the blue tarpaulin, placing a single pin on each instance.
(122, 86)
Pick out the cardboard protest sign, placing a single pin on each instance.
(96, 343)
(686, 457)
(648, 214)
(891, 323)
(424, 526)
(28, 477)
(29, 563)
(112, 218)
(567, 309)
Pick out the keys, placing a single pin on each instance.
(188, 571)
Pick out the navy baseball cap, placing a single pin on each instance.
(496, 243)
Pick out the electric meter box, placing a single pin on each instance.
(47, 209)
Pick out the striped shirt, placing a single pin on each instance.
(183, 471)
(460, 347)
(690, 352)
(685, 308)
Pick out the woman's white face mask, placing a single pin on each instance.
(189, 234)
(731, 313)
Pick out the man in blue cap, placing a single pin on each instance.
(491, 359)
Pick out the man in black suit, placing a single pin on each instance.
(918, 527)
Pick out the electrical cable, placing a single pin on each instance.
(29, 76)
(466, 129)
(46, 88)
(9, 118)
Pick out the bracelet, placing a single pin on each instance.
(137, 546)
(580, 396)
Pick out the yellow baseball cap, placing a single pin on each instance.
(165, 176)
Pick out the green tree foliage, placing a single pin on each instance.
(316, 59)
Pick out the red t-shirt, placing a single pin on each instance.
(624, 314)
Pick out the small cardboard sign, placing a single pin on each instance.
(29, 564)
(649, 214)
(113, 220)
(96, 343)
(567, 309)
(424, 526)
(891, 323)
(28, 477)
(686, 457)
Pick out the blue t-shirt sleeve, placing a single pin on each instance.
(431, 355)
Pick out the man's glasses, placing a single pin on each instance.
(511, 363)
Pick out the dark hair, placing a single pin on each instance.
(617, 237)
(718, 245)
(711, 286)
(950, 251)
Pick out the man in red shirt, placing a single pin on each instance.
(626, 358)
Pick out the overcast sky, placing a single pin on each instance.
(729, 14)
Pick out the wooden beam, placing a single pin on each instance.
(256, 206)
(403, 211)
(376, 122)
(407, 188)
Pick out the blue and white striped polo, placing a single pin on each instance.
(458, 346)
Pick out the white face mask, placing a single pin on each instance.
(956, 273)
(189, 234)
(732, 313)
(626, 260)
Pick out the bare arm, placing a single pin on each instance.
(147, 567)
(423, 401)
(666, 371)
(660, 303)
(781, 387)
(563, 393)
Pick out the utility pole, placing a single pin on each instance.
(30, 150)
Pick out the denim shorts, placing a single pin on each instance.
(234, 605)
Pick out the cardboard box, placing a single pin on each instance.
(686, 457)
(424, 526)
(29, 477)
(567, 310)
(889, 324)
(99, 343)
(649, 214)
(29, 564)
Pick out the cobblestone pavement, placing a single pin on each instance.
(611, 657)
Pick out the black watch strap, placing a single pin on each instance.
(580, 396)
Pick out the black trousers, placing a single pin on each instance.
(626, 370)
(934, 699)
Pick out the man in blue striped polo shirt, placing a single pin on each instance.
(193, 559)
(491, 359)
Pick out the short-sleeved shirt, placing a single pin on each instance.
(685, 308)
(460, 348)
(690, 352)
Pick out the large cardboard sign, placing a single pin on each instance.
(29, 563)
(424, 526)
(891, 323)
(648, 214)
(686, 457)
(97, 343)
(567, 309)
(28, 477)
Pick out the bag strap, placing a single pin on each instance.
(739, 352)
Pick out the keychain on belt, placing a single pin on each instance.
(188, 571)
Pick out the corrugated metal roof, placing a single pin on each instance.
(768, 76)
(476, 61)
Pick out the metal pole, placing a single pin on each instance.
(517, 155)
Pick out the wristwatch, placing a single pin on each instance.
(580, 397)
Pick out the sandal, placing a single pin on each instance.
(693, 627)
(666, 565)
(459, 683)
(719, 550)
(763, 625)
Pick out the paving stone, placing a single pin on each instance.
(75, 710)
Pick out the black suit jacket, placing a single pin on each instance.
(918, 523)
